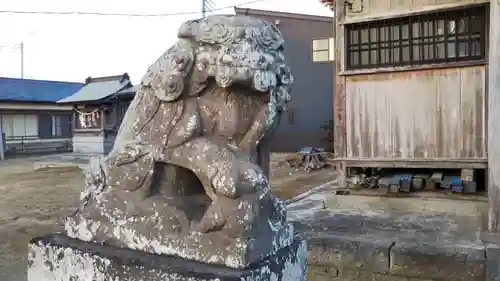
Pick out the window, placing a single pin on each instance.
(291, 116)
(323, 50)
(56, 126)
(16, 126)
(6, 122)
(449, 36)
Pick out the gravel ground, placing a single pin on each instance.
(33, 203)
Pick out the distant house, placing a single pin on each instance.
(309, 53)
(99, 106)
(30, 118)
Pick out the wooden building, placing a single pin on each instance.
(411, 87)
(99, 108)
(30, 118)
(417, 86)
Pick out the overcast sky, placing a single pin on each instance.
(73, 47)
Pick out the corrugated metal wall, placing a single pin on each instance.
(420, 114)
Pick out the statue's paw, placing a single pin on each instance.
(249, 152)
(208, 225)
(253, 179)
(225, 181)
(214, 219)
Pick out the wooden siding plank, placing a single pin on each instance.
(379, 5)
(417, 3)
(493, 119)
(472, 113)
(424, 107)
(399, 121)
(416, 115)
(382, 136)
(445, 1)
(395, 4)
(339, 108)
(352, 136)
(373, 11)
(448, 112)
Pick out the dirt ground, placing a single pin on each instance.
(34, 202)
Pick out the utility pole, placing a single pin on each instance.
(206, 5)
(203, 8)
(22, 59)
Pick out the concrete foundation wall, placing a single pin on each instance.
(343, 259)
(88, 143)
(368, 238)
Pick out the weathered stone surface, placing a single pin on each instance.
(321, 273)
(438, 262)
(58, 257)
(183, 177)
(339, 241)
(342, 251)
(493, 262)
(393, 246)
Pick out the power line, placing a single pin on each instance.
(11, 46)
(121, 14)
(207, 6)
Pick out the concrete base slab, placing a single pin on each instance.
(394, 239)
(493, 264)
(60, 258)
(66, 160)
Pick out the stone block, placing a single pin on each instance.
(493, 262)
(59, 257)
(322, 273)
(343, 251)
(351, 274)
(455, 262)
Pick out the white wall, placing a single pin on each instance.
(88, 144)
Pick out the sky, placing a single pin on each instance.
(73, 47)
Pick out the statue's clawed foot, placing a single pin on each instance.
(214, 219)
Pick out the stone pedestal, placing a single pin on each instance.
(58, 257)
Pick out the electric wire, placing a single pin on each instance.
(122, 14)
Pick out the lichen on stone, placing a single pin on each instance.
(183, 177)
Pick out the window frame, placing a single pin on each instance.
(57, 130)
(330, 49)
(432, 44)
(11, 119)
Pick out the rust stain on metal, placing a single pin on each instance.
(431, 114)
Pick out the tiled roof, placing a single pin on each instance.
(99, 88)
(28, 90)
(129, 90)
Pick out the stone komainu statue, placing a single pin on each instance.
(202, 107)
